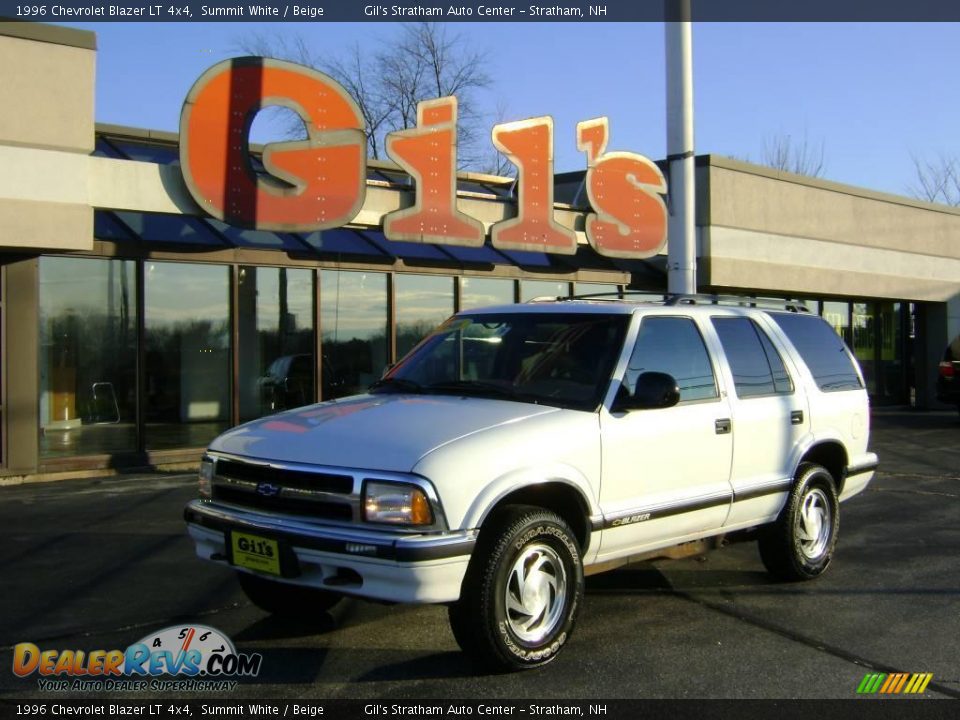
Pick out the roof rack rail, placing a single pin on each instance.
(795, 306)
(617, 295)
(547, 298)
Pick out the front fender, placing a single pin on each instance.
(478, 511)
(472, 473)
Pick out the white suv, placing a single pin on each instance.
(518, 448)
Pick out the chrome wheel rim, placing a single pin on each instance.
(536, 593)
(814, 524)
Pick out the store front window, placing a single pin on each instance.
(187, 354)
(3, 360)
(353, 326)
(275, 327)
(838, 315)
(482, 292)
(530, 289)
(423, 302)
(879, 344)
(876, 331)
(865, 342)
(604, 289)
(88, 334)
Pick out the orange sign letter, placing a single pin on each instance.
(624, 188)
(429, 153)
(312, 184)
(529, 145)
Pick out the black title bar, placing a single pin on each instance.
(159, 709)
(320, 11)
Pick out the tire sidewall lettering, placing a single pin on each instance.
(540, 530)
(551, 534)
(531, 655)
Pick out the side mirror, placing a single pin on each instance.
(652, 390)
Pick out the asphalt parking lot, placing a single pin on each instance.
(99, 564)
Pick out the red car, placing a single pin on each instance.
(948, 382)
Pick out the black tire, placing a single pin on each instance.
(495, 622)
(800, 544)
(286, 600)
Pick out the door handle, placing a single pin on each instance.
(796, 417)
(722, 426)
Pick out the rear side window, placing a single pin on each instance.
(822, 350)
(757, 367)
(673, 345)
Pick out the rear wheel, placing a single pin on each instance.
(800, 544)
(522, 592)
(286, 600)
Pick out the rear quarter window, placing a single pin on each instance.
(822, 350)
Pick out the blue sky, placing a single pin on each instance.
(873, 94)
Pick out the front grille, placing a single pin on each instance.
(299, 479)
(284, 504)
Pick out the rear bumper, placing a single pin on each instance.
(858, 475)
(948, 389)
(375, 565)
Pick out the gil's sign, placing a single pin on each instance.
(320, 182)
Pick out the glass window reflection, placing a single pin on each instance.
(275, 322)
(837, 314)
(187, 354)
(353, 323)
(423, 302)
(481, 292)
(610, 291)
(88, 334)
(530, 289)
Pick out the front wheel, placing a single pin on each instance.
(800, 544)
(284, 599)
(522, 592)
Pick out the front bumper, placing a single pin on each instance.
(365, 563)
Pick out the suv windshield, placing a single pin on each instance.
(547, 358)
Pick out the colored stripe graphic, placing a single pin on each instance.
(871, 683)
(894, 683)
(918, 683)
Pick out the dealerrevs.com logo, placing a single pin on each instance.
(201, 658)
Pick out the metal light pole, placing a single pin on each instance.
(681, 227)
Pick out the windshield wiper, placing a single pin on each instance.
(477, 387)
(399, 384)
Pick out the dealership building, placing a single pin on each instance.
(134, 327)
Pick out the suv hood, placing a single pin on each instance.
(386, 432)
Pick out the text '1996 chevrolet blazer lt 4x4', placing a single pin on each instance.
(517, 448)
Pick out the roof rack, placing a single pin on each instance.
(765, 303)
(795, 306)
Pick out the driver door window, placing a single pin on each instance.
(673, 345)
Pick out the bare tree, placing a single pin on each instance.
(494, 162)
(937, 180)
(781, 152)
(424, 61)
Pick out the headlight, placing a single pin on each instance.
(206, 477)
(396, 503)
